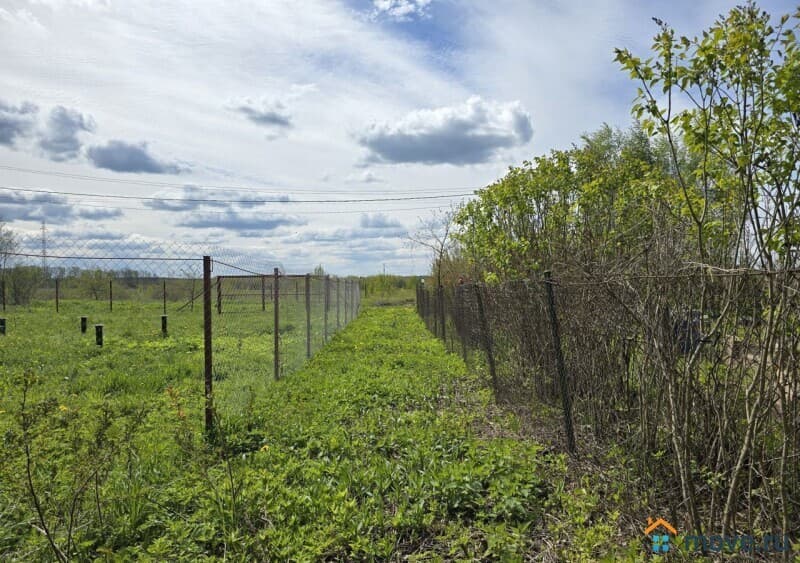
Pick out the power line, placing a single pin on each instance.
(265, 190)
(231, 201)
(327, 212)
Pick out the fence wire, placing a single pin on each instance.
(700, 366)
(142, 303)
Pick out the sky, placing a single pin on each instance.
(244, 125)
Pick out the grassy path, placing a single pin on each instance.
(373, 450)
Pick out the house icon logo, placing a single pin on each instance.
(659, 532)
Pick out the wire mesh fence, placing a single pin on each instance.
(695, 374)
(235, 321)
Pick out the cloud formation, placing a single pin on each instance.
(400, 10)
(55, 209)
(59, 140)
(266, 114)
(240, 221)
(378, 221)
(190, 198)
(16, 121)
(468, 133)
(121, 156)
(371, 227)
(365, 177)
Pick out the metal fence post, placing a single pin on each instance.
(164, 295)
(219, 295)
(111, 295)
(263, 293)
(487, 337)
(327, 298)
(460, 325)
(338, 322)
(346, 287)
(209, 365)
(566, 400)
(276, 324)
(57, 288)
(308, 315)
(435, 293)
(441, 314)
(3, 292)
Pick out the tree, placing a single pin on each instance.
(740, 81)
(8, 245)
(434, 233)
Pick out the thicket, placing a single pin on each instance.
(674, 249)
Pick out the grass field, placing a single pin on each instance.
(380, 447)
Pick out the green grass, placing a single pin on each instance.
(376, 449)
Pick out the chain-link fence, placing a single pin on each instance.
(235, 320)
(696, 374)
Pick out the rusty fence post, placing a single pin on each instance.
(326, 306)
(207, 348)
(460, 324)
(346, 287)
(308, 315)
(219, 295)
(486, 337)
(566, 399)
(441, 314)
(276, 339)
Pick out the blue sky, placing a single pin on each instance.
(285, 100)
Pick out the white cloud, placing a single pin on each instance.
(347, 83)
(468, 133)
(363, 177)
(401, 10)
